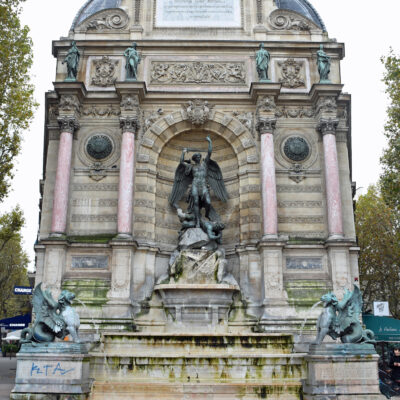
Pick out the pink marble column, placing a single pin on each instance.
(129, 127)
(266, 127)
(68, 125)
(334, 200)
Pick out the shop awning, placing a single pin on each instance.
(386, 329)
(19, 322)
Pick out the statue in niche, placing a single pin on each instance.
(200, 175)
(53, 318)
(262, 63)
(132, 62)
(341, 319)
(324, 65)
(72, 61)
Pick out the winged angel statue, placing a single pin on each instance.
(341, 319)
(200, 175)
(53, 318)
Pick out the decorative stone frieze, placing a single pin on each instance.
(266, 103)
(129, 103)
(197, 111)
(327, 125)
(68, 124)
(291, 73)
(172, 72)
(100, 111)
(129, 124)
(295, 112)
(69, 104)
(104, 73)
(326, 105)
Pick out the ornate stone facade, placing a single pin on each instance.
(112, 148)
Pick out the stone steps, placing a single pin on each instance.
(174, 391)
(141, 366)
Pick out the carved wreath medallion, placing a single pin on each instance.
(105, 72)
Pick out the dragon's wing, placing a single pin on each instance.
(181, 182)
(351, 305)
(215, 180)
(45, 308)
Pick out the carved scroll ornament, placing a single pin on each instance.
(111, 19)
(290, 21)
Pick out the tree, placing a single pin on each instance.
(390, 178)
(16, 91)
(13, 265)
(379, 242)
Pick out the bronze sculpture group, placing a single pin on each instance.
(341, 319)
(54, 319)
(200, 175)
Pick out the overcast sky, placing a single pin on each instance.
(367, 27)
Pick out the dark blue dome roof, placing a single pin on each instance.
(302, 7)
(93, 6)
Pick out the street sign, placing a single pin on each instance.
(19, 322)
(22, 290)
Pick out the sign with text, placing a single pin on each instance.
(198, 14)
(381, 309)
(22, 290)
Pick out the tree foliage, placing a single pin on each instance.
(16, 92)
(13, 265)
(379, 241)
(390, 178)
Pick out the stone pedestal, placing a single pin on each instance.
(52, 371)
(200, 292)
(342, 372)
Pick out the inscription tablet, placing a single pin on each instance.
(198, 14)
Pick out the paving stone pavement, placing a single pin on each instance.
(7, 376)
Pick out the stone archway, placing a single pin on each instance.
(155, 168)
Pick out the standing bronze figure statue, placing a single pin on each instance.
(324, 65)
(72, 61)
(132, 61)
(262, 63)
(201, 175)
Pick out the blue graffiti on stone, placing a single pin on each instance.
(49, 369)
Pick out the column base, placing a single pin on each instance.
(335, 237)
(57, 235)
(124, 236)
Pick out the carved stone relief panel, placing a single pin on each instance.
(285, 20)
(182, 73)
(293, 73)
(102, 72)
(225, 73)
(105, 72)
(114, 19)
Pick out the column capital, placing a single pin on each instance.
(327, 126)
(68, 123)
(129, 124)
(265, 125)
